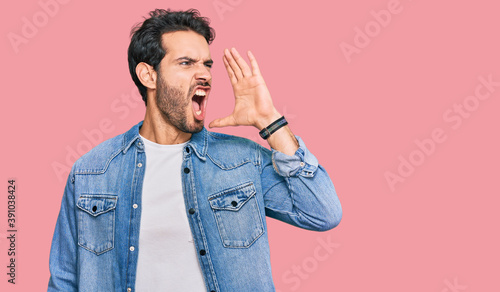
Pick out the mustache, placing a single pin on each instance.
(202, 84)
(191, 88)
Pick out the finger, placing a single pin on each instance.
(241, 63)
(230, 71)
(232, 63)
(253, 62)
(223, 122)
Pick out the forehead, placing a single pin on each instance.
(185, 44)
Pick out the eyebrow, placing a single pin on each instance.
(185, 58)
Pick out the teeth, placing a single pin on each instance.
(200, 92)
(198, 112)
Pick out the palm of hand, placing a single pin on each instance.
(253, 101)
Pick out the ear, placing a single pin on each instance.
(146, 74)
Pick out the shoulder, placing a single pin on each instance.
(231, 142)
(214, 137)
(229, 150)
(99, 157)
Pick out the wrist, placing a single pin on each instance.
(266, 121)
(273, 128)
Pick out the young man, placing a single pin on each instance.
(169, 206)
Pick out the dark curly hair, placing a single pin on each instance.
(145, 45)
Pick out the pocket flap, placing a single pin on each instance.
(232, 199)
(96, 204)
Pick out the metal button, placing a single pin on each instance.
(132, 248)
(135, 206)
(191, 211)
(139, 164)
(94, 208)
(129, 289)
(302, 164)
(186, 170)
(203, 252)
(187, 149)
(234, 203)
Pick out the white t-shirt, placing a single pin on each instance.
(167, 256)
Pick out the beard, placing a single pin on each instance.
(174, 105)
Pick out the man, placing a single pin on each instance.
(169, 206)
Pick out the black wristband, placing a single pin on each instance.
(273, 127)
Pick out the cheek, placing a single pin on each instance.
(182, 81)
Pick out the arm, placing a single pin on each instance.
(297, 190)
(63, 253)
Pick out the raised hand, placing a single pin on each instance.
(253, 104)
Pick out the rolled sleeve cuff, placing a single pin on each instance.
(302, 163)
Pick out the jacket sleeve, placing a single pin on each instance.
(297, 190)
(63, 252)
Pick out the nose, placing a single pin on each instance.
(203, 73)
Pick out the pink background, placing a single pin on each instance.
(436, 229)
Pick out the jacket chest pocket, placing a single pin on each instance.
(237, 215)
(96, 222)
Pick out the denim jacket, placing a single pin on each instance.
(229, 183)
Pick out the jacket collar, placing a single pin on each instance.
(198, 141)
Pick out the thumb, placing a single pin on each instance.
(223, 122)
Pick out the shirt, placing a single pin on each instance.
(167, 258)
(229, 184)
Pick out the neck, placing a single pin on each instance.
(159, 130)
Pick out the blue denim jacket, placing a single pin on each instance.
(230, 184)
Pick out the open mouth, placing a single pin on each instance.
(199, 102)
